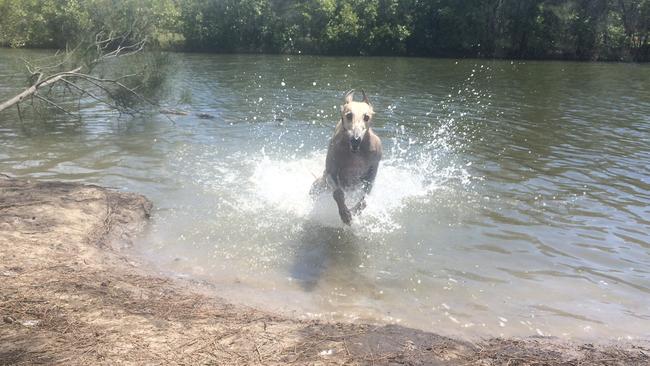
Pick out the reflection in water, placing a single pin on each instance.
(513, 197)
(325, 253)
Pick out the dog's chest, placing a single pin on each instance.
(352, 169)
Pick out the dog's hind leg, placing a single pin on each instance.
(319, 186)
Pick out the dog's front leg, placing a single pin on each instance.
(368, 180)
(361, 205)
(339, 197)
(345, 214)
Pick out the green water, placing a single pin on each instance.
(513, 198)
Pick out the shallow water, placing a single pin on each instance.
(513, 198)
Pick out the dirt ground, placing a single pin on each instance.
(68, 295)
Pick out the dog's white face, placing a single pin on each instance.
(356, 118)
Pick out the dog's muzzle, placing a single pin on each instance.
(355, 142)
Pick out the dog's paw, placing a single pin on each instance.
(346, 216)
(356, 210)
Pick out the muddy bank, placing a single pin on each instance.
(69, 296)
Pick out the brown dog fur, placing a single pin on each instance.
(353, 155)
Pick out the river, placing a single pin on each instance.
(513, 198)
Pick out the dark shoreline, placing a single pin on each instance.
(424, 57)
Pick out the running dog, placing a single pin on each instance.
(353, 156)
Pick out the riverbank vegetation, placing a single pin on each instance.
(539, 29)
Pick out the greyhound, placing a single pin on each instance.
(353, 156)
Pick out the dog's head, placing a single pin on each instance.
(356, 118)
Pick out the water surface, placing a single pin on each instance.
(513, 198)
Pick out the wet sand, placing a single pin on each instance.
(70, 295)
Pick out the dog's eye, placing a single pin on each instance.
(366, 117)
(349, 116)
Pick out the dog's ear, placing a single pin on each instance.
(365, 97)
(348, 96)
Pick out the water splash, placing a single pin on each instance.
(283, 186)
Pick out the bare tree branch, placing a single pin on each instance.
(20, 113)
(112, 81)
(32, 89)
(106, 45)
(86, 92)
(53, 104)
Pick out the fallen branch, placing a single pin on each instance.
(32, 89)
(53, 104)
(108, 91)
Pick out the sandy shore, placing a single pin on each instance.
(68, 295)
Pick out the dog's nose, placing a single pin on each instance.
(355, 142)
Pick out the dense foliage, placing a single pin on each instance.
(564, 29)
